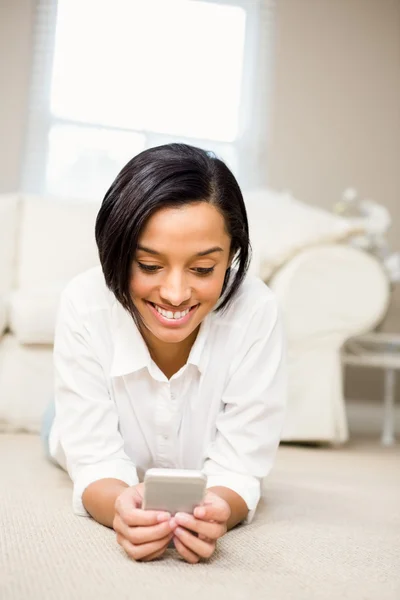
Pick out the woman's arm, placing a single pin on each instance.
(250, 423)
(99, 499)
(86, 418)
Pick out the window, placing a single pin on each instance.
(113, 77)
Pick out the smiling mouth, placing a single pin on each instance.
(173, 315)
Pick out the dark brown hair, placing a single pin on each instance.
(168, 176)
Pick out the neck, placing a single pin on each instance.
(169, 357)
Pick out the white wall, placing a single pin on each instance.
(336, 118)
(16, 19)
(336, 114)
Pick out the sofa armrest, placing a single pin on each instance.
(333, 290)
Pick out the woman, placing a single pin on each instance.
(168, 356)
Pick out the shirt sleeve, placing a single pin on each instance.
(86, 415)
(250, 423)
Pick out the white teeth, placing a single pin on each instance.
(168, 314)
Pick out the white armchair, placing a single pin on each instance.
(327, 294)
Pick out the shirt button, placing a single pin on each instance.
(165, 437)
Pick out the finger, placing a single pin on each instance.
(212, 530)
(141, 535)
(194, 544)
(213, 511)
(138, 516)
(187, 554)
(156, 554)
(130, 509)
(138, 552)
(203, 537)
(128, 500)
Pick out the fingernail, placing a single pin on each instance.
(163, 517)
(178, 530)
(200, 512)
(182, 517)
(172, 523)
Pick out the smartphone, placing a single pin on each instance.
(174, 490)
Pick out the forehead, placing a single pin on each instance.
(189, 224)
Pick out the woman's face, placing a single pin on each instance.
(179, 269)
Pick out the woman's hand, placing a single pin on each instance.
(143, 534)
(209, 522)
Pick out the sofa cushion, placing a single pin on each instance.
(33, 312)
(56, 240)
(281, 226)
(9, 208)
(26, 386)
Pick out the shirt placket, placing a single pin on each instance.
(165, 425)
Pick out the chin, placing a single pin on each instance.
(170, 337)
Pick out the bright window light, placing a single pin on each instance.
(171, 67)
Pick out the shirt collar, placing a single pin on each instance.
(131, 352)
(198, 356)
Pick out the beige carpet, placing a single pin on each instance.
(328, 528)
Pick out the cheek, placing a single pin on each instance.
(140, 285)
(210, 289)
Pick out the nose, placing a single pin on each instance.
(175, 289)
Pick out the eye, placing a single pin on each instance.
(148, 268)
(203, 270)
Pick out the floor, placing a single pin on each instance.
(327, 528)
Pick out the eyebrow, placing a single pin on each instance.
(202, 253)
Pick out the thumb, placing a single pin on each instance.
(128, 500)
(214, 508)
(135, 493)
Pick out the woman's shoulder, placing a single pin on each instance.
(251, 315)
(88, 291)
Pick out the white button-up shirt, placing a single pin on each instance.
(117, 414)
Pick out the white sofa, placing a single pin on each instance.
(328, 292)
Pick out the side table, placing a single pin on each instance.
(378, 350)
